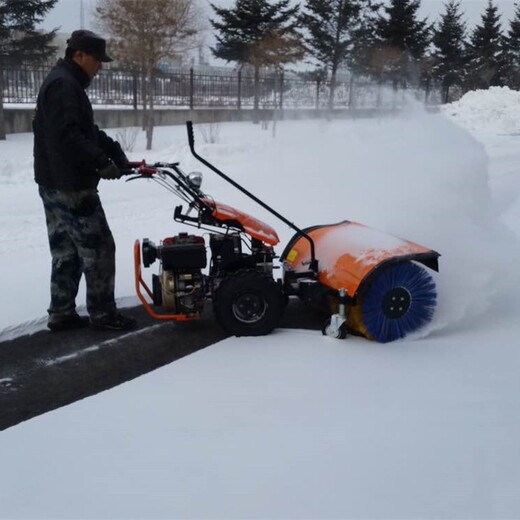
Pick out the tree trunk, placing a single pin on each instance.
(332, 89)
(446, 94)
(351, 91)
(150, 127)
(256, 102)
(277, 103)
(150, 120)
(144, 97)
(427, 90)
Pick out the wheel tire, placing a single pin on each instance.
(248, 303)
(341, 333)
(400, 300)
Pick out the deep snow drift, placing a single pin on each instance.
(296, 425)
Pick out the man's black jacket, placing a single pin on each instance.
(69, 148)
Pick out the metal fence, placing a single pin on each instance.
(194, 89)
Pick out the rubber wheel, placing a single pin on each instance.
(341, 333)
(248, 303)
(399, 301)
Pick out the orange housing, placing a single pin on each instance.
(348, 253)
(252, 226)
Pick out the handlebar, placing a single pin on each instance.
(138, 168)
(146, 170)
(135, 164)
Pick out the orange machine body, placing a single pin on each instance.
(348, 253)
(251, 225)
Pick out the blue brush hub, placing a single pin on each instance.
(401, 300)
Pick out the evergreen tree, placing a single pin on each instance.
(449, 54)
(20, 42)
(512, 53)
(403, 40)
(258, 33)
(360, 59)
(332, 27)
(487, 58)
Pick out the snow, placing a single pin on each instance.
(297, 425)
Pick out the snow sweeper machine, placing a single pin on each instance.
(370, 283)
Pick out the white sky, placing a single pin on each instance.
(67, 12)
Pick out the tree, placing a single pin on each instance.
(486, 49)
(144, 34)
(402, 41)
(259, 34)
(19, 40)
(449, 55)
(360, 58)
(332, 27)
(512, 46)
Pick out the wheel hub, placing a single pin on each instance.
(249, 308)
(396, 302)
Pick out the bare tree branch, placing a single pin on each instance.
(145, 33)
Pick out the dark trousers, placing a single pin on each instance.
(80, 242)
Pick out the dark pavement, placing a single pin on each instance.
(44, 371)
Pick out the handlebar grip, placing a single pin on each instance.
(144, 170)
(135, 164)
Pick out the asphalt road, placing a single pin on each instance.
(44, 371)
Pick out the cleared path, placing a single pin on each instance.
(44, 371)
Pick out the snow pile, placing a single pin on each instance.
(419, 177)
(496, 110)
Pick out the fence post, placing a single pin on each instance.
(192, 83)
(3, 130)
(239, 92)
(134, 90)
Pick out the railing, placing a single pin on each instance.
(194, 89)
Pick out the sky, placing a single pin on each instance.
(67, 13)
(295, 424)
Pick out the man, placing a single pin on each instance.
(71, 155)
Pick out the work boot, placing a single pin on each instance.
(113, 321)
(66, 321)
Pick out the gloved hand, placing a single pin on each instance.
(110, 171)
(118, 156)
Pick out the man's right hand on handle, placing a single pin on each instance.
(110, 171)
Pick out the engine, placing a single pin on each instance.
(179, 286)
(227, 255)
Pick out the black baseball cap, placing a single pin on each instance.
(89, 42)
